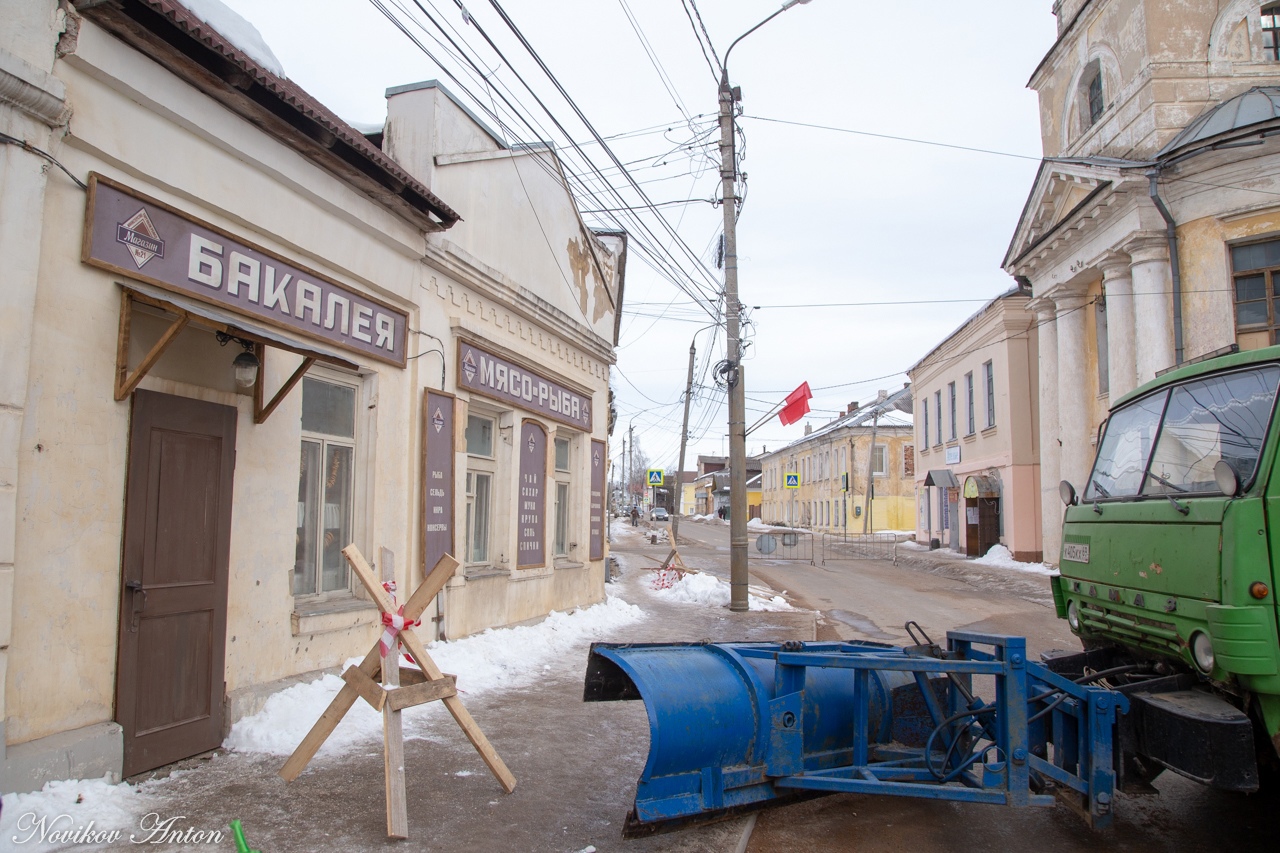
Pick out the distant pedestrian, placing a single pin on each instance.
(635, 516)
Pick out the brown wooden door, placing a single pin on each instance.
(173, 599)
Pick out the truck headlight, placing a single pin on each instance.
(1202, 651)
(1073, 616)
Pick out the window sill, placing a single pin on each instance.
(562, 563)
(532, 573)
(325, 617)
(970, 438)
(484, 571)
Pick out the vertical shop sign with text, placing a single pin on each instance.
(531, 541)
(437, 478)
(598, 460)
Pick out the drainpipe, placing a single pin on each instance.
(1171, 234)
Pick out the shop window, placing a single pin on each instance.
(479, 491)
(325, 487)
(1271, 32)
(563, 454)
(1256, 286)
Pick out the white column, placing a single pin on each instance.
(1050, 447)
(1073, 388)
(1122, 372)
(1153, 305)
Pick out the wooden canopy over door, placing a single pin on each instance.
(173, 600)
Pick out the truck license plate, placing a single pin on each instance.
(1075, 552)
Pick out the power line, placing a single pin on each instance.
(895, 138)
(658, 258)
(653, 60)
(715, 68)
(586, 123)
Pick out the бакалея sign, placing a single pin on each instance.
(139, 237)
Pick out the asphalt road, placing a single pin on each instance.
(871, 599)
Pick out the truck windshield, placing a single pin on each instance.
(1216, 418)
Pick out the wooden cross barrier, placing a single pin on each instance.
(390, 697)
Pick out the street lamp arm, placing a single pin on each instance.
(724, 66)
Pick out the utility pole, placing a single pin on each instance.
(684, 441)
(633, 497)
(733, 372)
(871, 473)
(729, 96)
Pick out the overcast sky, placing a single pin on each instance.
(830, 217)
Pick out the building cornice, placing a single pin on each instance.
(36, 93)
(488, 283)
(1066, 33)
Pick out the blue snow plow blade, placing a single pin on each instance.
(735, 727)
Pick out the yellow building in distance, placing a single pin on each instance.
(856, 473)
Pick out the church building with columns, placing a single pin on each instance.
(1152, 231)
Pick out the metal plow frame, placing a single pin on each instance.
(1043, 738)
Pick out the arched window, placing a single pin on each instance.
(1271, 32)
(1096, 102)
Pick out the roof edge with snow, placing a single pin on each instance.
(184, 44)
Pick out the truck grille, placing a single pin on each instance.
(1149, 634)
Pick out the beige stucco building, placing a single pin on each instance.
(977, 439)
(831, 467)
(1150, 232)
(431, 376)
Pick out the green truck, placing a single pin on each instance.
(1168, 572)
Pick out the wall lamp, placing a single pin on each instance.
(246, 363)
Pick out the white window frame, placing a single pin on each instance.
(968, 392)
(563, 530)
(989, 378)
(881, 470)
(358, 474)
(480, 467)
(951, 392)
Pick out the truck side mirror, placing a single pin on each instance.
(1226, 477)
(1068, 493)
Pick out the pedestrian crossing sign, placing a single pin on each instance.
(793, 481)
(655, 477)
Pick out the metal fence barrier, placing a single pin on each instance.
(785, 545)
(862, 546)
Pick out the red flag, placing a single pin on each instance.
(796, 406)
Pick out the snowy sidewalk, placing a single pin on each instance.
(576, 763)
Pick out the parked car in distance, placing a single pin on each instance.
(659, 514)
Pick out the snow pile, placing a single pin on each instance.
(1000, 557)
(498, 659)
(243, 35)
(94, 808)
(914, 545)
(760, 526)
(706, 589)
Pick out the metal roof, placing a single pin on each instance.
(1259, 104)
